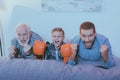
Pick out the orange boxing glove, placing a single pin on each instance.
(66, 51)
(39, 47)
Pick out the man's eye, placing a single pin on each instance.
(90, 35)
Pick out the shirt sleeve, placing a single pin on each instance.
(75, 40)
(71, 62)
(110, 63)
(36, 36)
(14, 42)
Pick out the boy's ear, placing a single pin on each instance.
(63, 38)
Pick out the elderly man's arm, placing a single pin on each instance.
(27, 49)
(12, 51)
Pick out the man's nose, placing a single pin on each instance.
(87, 39)
(21, 38)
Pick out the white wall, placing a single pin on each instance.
(107, 21)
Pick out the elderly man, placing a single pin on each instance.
(90, 47)
(21, 46)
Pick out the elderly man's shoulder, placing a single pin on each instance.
(36, 35)
(14, 39)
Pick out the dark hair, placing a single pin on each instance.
(58, 29)
(87, 26)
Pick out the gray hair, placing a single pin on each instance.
(23, 25)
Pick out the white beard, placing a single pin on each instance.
(22, 43)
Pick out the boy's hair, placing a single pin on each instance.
(58, 29)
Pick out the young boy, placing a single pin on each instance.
(53, 49)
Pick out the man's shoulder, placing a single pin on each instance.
(76, 39)
(14, 42)
(101, 38)
(34, 33)
(14, 39)
(36, 36)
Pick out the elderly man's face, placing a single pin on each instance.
(23, 34)
(87, 37)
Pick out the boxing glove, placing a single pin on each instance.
(39, 47)
(66, 51)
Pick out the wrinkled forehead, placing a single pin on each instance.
(22, 28)
(57, 33)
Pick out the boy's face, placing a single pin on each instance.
(57, 38)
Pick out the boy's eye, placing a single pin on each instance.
(54, 36)
(24, 34)
(84, 35)
(59, 36)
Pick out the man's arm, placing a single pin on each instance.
(107, 54)
(27, 49)
(104, 52)
(12, 51)
(72, 59)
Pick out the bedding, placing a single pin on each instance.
(27, 69)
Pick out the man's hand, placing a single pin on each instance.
(104, 52)
(12, 51)
(74, 51)
(27, 49)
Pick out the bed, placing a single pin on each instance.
(26, 69)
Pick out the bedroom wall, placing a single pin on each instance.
(18, 11)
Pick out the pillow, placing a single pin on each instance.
(88, 72)
(26, 69)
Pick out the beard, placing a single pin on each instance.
(88, 44)
(22, 42)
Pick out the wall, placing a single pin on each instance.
(18, 11)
